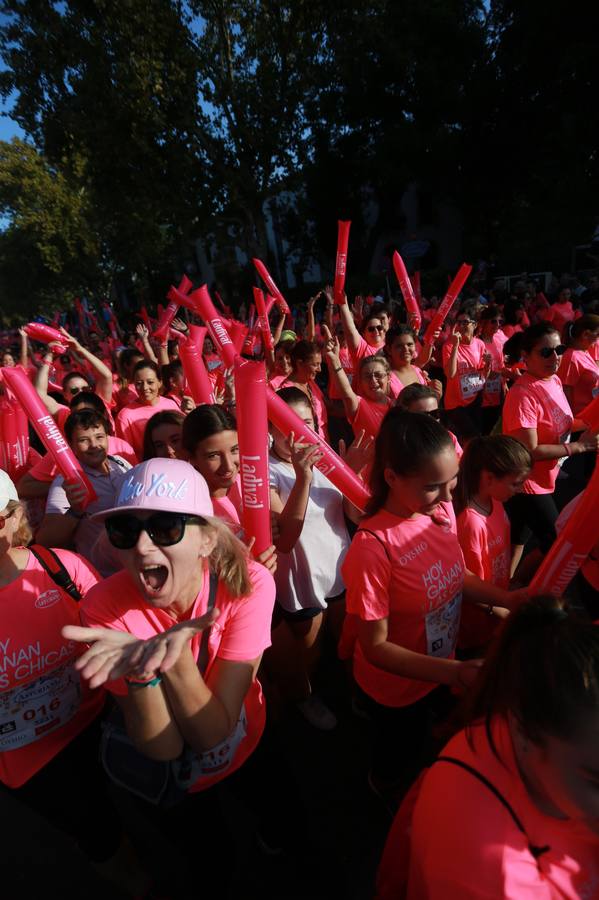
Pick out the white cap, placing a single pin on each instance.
(7, 490)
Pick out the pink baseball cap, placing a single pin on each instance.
(162, 485)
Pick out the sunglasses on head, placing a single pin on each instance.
(434, 413)
(546, 352)
(165, 529)
(375, 328)
(77, 390)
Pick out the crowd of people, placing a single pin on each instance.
(146, 648)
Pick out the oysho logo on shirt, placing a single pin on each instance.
(48, 598)
(411, 554)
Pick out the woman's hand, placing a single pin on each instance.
(179, 325)
(268, 557)
(588, 442)
(455, 337)
(332, 347)
(71, 342)
(187, 404)
(76, 495)
(436, 386)
(359, 454)
(303, 457)
(467, 672)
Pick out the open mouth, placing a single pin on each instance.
(154, 578)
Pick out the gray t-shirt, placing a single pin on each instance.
(106, 487)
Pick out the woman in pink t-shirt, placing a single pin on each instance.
(372, 338)
(405, 577)
(306, 360)
(282, 364)
(579, 372)
(466, 363)
(537, 413)
(493, 338)
(178, 636)
(492, 469)
(132, 419)
(423, 399)
(511, 807)
(400, 349)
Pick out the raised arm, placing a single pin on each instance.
(102, 373)
(352, 335)
(349, 397)
(144, 335)
(41, 382)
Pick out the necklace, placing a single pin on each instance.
(485, 512)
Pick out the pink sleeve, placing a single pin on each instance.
(247, 630)
(122, 426)
(81, 571)
(569, 371)
(472, 542)
(367, 574)
(361, 351)
(522, 414)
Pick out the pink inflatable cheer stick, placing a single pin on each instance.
(14, 438)
(238, 332)
(172, 308)
(436, 323)
(216, 329)
(416, 285)
(252, 431)
(590, 415)
(37, 331)
(196, 374)
(331, 465)
(407, 291)
(48, 431)
(341, 262)
(273, 289)
(572, 546)
(262, 322)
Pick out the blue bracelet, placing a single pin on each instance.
(142, 684)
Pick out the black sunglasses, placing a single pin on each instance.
(163, 528)
(435, 413)
(546, 352)
(375, 328)
(77, 390)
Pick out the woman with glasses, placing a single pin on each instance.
(372, 338)
(537, 412)
(467, 364)
(177, 636)
(491, 334)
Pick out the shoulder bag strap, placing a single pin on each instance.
(203, 654)
(56, 570)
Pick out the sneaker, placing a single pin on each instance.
(317, 713)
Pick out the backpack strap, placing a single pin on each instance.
(53, 566)
(533, 849)
(377, 538)
(203, 654)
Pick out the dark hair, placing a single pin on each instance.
(404, 443)
(302, 351)
(204, 421)
(126, 357)
(414, 392)
(287, 345)
(470, 308)
(69, 377)
(371, 314)
(166, 417)
(490, 311)
(169, 372)
(510, 309)
(85, 418)
(534, 333)
(90, 399)
(295, 395)
(147, 364)
(499, 454)
(543, 670)
(588, 322)
(396, 331)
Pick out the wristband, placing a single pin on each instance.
(153, 682)
(338, 369)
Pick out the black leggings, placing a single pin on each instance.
(71, 792)
(533, 514)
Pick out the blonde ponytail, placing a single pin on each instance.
(229, 559)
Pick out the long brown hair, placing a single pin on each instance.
(499, 454)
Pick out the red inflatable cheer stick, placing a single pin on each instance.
(37, 331)
(416, 286)
(172, 308)
(197, 333)
(267, 279)
(407, 291)
(14, 438)
(144, 316)
(252, 431)
(590, 415)
(216, 329)
(449, 299)
(250, 338)
(341, 262)
(262, 322)
(195, 371)
(572, 546)
(48, 431)
(331, 465)
(238, 332)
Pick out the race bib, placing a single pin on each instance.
(32, 711)
(217, 760)
(471, 383)
(442, 626)
(493, 383)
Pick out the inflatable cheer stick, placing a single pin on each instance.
(45, 334)
(407, 290)
(168, 314)
(572, 546)
(238, 332)
(341, 262)
(449, 299)
(216, 329)
(144, 316)
(262, 322)
(331, 465)
(48, 431)
(273, 289)
(195, 371)
(14, 438)
(252, 431)
(590, 415)
(250, 338)
(416, 286)
(197, 333)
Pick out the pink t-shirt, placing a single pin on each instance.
(411, 573)
(469, 380)
(486, 545)
(369, 416)
(511, 330)
(131, 422)
(228, 507)
(240, 634)
(594, 350)
(560, 314)
(363, 350)
(125, 397)
(539, 403)
(46, 469)
(63, 413)
(43, 702)
(465, 844)
(494, 386)
(277, 381)
(579, 371)
(396, 385)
